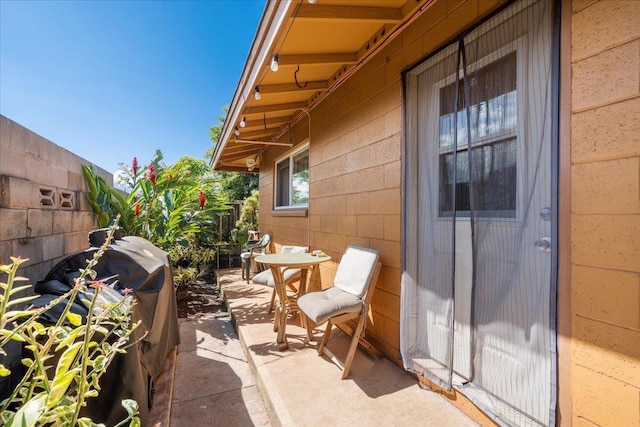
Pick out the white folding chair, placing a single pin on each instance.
(348, 299)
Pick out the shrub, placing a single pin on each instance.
(248, 218)
(175, 207)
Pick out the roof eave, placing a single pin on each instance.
(272, 24)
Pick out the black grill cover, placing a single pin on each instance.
(146, 270)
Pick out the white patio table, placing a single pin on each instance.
(278, 263)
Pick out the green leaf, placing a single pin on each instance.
(67, 359)
(60, 385)
(61, 411)
(100, 330)
(22, 300)
(103, 219)
(145, 186)
(130, 405)
(91, 393)
(28, 414)
(17, 289)
(40, 327)
(89, 177)
(74, 319)
(69, 338)
(17, 313)
(85, 422)
(100, 363)
(4, 372)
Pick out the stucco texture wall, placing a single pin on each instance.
(605, 212)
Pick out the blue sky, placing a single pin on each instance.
(110, 80)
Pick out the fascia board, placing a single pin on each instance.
(271, 25)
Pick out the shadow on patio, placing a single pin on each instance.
(299, 387)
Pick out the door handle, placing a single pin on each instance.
(545, 214)
(543, 244)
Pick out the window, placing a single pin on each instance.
(292, 179)
(493, 117)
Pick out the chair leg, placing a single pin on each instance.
(352, 347)
(325, 338)
(273, 300)
(308, 325)
(247, 269)
(276, 318)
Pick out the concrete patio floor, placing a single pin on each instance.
(220, 378)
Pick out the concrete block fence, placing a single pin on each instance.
(44, 215)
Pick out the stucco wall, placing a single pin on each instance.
(605, 217)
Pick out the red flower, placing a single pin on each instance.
(97, 284)
(201, 199)
(136, 209)
(170, 177)
(152, 174)
(134, 166)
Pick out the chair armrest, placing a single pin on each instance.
(250, 246)
(255, 251)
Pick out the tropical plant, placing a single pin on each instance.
(233, 185)
(248, 218)
(183, 276)
(237, 186)
(215, 131)
(165, 205)
(190, 260)
(65, 361)
(175, 207)
(106, 202)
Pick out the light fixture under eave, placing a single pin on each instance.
(243, 122)
(236, 132)
(312, 1)
(274, 62)
(251, 163)
(256, 94)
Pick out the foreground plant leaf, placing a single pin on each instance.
(74, 319)
(4, 372)
(29, 413)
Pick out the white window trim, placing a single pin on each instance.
(519, 47)
(289, 155)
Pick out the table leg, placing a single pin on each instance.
(280, 321)
(313, 277)
(303, 282)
